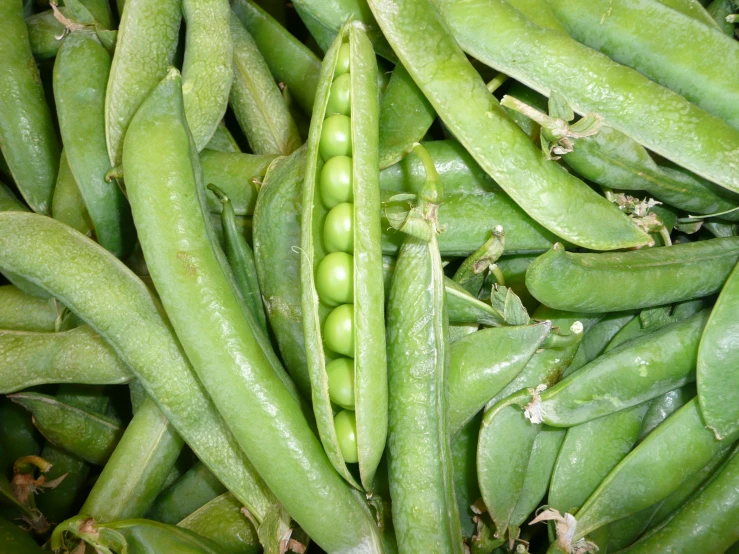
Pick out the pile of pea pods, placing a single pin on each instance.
(369, 276)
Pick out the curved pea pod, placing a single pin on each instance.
(612, 159)
(132, 536)
(9, 202)
(137, 468)
(664, 406)
(45, 34)
(222, 141)
(235, 174)
(642, 278)
(598, 338)
(90, 280)
(677, 449)
(255, 99)
(92, 437)
(588, 454)
(276, 242)
(706, 523)
(405, 117)
(68, 206)
(289, 60)
(326, 20)
(76, 356)
(498, 35)
(136, 70)
(718, 355)
(483, 363)
(80, 78)
(207, 68)
(222, 521)
(626, 376)
(420, 463)
(361, 249)
(693, 67)
(20, 311)
(27, 136)
(465, 105)
(241, 374)
(16, 539)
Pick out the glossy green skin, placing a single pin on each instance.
(643, 278)
(496, 34)
(256, 100)
(664, 406)
(289, 60)
(466, 106)
(612, 159)
(27, 137)
(276, 240)
(637, 371)
(718, 356)
(144, 537)
(218, 338)
(14, 539)
(706, 523)
(589, 452)
(68, 206)
(45, 34)
(482, 363)
(76, 356)
(80, 78)
(405, 117)
(22, 312)
(370, 369)
(193, 490)
(137, 469)
(89, 436)
(18, 436)
(234, 174)
(207, 69)
(222, 521)
(331, 16)
(135, 70)
(420, 462)
(652, 471)
(683, 54)
(595, 341)
(100, 289)
(8, 201)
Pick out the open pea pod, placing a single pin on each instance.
(341, 267)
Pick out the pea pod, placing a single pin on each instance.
(207, 69)
(45, 33)
(76, 356)
(8, 201)
(101, 295)
(693, 67)
(27, 137)
(256, 100)
(405, 117)
(68, 206)
(691, 8)
(496, 34)
(420, 464)
(482, 363)
(706, 523)
(222, 521)
(92, 437)
(719, 10)
(18, 436)
(643, 278)
(598, 338)
(80, 78)
(241, 375)
(341, 205)
(135, 71)
(194, 489)
(464, 459)
(17, 540)
(22, 312)
(626, 376)
(289, 60)
(234, 173)
(465, 105)
(664, 406)
(222, 140)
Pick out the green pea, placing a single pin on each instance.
(336, 137)
(342, 63)
(346, 431)
(338, 229)
(336, 181)
(338, 330)
(340, 374)
(340, 96)
(335, 279)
